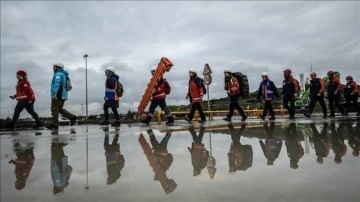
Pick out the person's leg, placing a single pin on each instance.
(331, 106)
(201, 112)
(116, 114)
(337, 103)
(21, 104)
(55, 110)
(153, 105)
(64, 112)
(31, 111)
(271, 110)
(292, 108)
(162, 104)
(323, 106)
(233, 100)
(192, 111)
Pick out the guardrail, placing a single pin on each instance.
(212, 113)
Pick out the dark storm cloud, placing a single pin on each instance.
(250, 37)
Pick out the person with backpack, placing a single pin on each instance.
(316, 94)
(160, 91)
(195, 93)
(289, 92)
(268, 91)
(25, 100)
(111, 97)
(333, 92)
(232, 88)
(351, 94)
(59, 94)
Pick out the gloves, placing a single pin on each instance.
(12, 96)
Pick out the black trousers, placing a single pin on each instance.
(24, 104)
(352, 100)
(196, 106)
(106, 112)
(268, 107)
(291, 108)
(321, 100)
(162, 104)
(235, 105)
(335, 99)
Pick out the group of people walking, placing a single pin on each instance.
(267, 91)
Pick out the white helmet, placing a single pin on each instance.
(264, 74)
(192, 70)
(153, 68)
(112, 69)
(59, 64)
(227, 70)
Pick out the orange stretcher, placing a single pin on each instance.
(164, 65)
(167, 184)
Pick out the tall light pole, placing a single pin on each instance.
(86, 95)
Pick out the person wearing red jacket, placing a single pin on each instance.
(334, 95)
(316, 94)
(351, 94)
(195, 94)
(289, 92)
(232, 88)
(25, 100)
(160, 91)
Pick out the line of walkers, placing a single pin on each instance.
(61, 84)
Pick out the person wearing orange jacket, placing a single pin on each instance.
(160, 91)
(334, 95)
(351, 94)
(195, 94)
(232, 88)
(25, 100)
(289, 92)
(316, 95)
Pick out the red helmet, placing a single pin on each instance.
(287, 71)
(330, 73)
(349, 78)
(21, 73)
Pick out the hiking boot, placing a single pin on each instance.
(187, 119)
(227, 119)
(244, 118)
(105, 122)
(147, 120)
(117, 123)
(331, 116)
(10, 125)
(307, 114)
(170, 121)
(37, 125)
(272, 118)
(262, 117)
(202, 121)
(52, 127)
(291, 117)
(73, 120)
(325, 116)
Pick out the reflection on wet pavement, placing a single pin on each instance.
(300, 160)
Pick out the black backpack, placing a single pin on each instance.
(244, 83)
(200, 83)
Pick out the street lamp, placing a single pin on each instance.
(86, 95)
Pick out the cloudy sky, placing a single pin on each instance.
(251, 37)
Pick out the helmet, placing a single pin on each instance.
(264, 74)
(330, 73)
(59, 64)
(227, 70)
(287, 71)
(313, 74)
(21, 73)
(153, 68)
(112, 69)
(192, 70)
(349, 78)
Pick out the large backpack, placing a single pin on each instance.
(201, 82)
(119, 89)
(244, 83)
